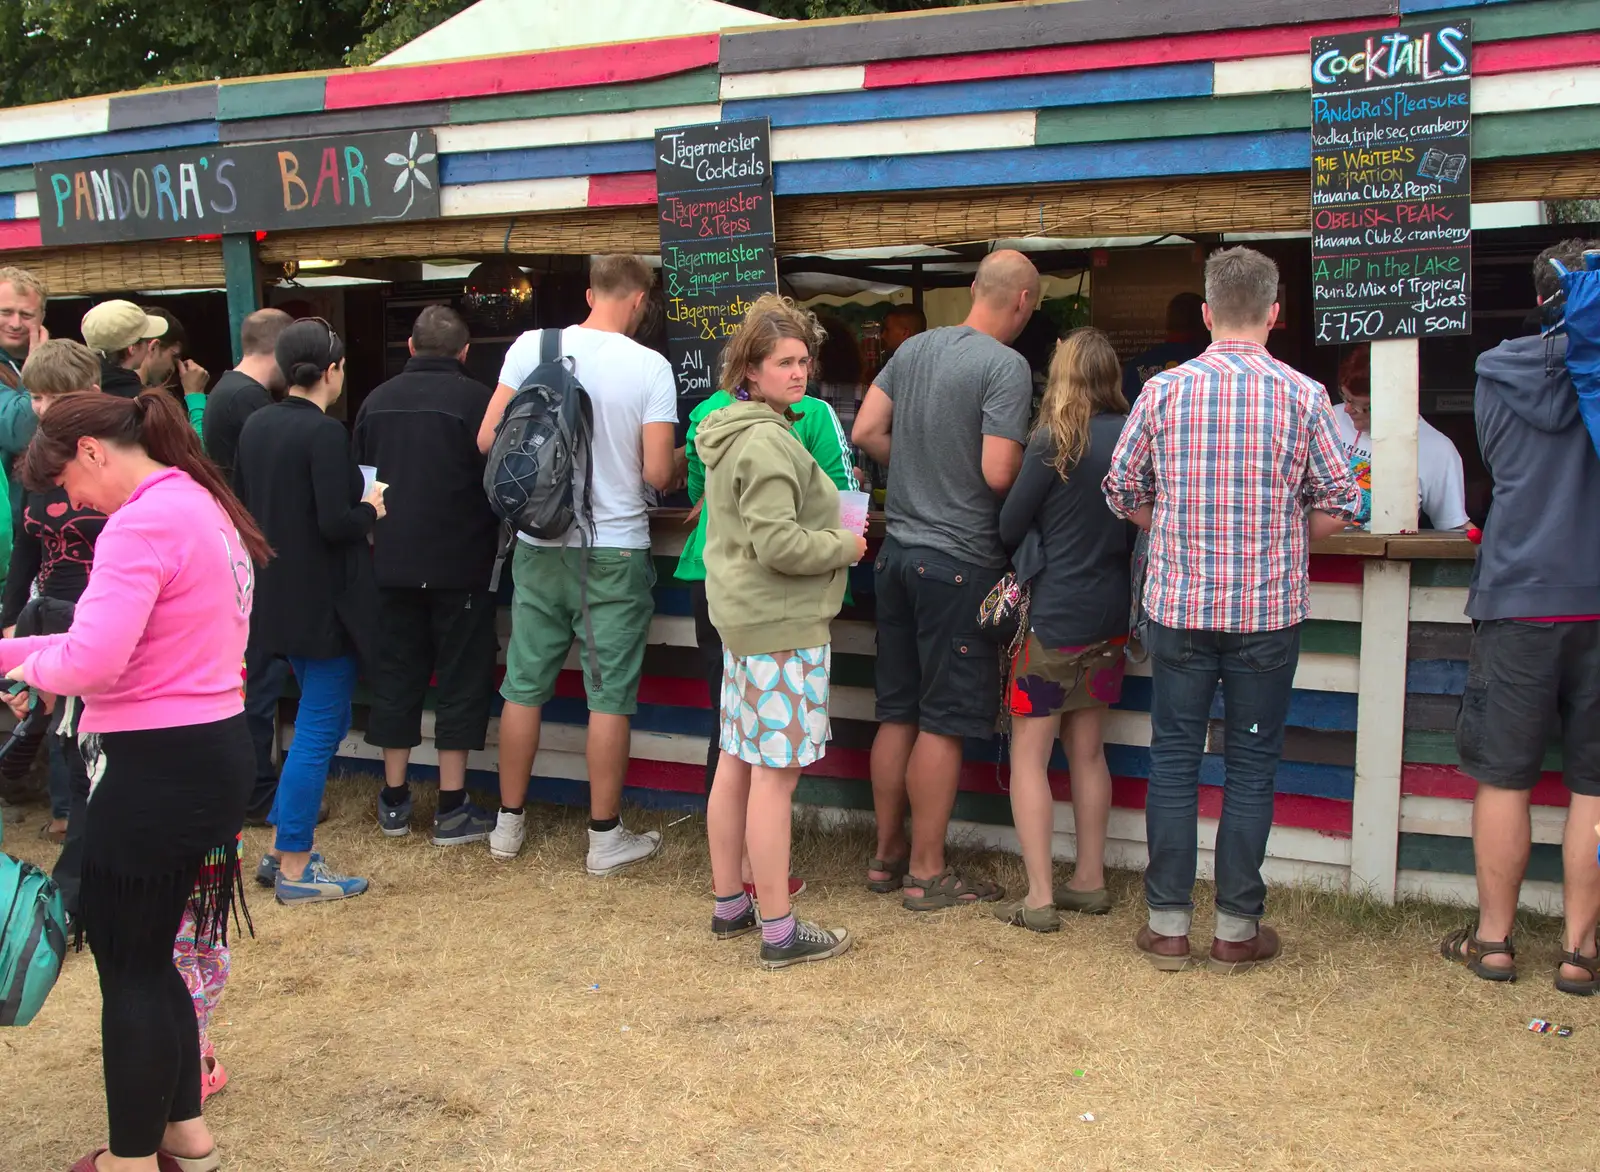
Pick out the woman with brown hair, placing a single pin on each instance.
(1070, 668)
(776, 559)
(155, 651)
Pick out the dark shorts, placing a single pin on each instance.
(429, 635)
(1526, 681)
(936, 668)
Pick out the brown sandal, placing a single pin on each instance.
(896, 870)
(1463, 947)
(949, 889)
(1589, 964)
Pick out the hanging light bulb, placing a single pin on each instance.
(497, 292)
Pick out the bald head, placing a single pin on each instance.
(1004, 294)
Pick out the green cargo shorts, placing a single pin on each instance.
(547, 617)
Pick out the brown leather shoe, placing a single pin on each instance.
(1230, 956)
(1169, 954)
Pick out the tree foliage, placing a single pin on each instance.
(74, 48)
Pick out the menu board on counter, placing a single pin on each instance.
(714, 195)
(1391, 183)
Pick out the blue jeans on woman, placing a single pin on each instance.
(1256, 670)
(326, 686)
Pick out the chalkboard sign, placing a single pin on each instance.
(1391, 183)
(208, 190)
(714, 192)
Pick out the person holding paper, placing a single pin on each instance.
(776, 560)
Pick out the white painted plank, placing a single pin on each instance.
(578, 128)
(1336, 601)
(27, 206)
(1544, 89)
(1380, 717)
(1439, 604)
(1443, 887)
(55, 120)
(514, 196)
(1453, 817)
(1318, 672)
(1257, 75)
(1395, 382)
(966, 132)
(783, 82)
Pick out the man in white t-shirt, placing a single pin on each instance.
(635, 413)
(1441, 483)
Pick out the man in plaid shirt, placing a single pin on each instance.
(1232, 461)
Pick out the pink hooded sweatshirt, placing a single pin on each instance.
(158, 637)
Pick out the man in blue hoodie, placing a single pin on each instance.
(1535, 660)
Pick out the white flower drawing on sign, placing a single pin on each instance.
(411, 174)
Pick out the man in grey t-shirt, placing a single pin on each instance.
(952, 407)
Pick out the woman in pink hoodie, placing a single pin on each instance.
(154, 651)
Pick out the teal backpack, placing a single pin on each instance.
(33, 931)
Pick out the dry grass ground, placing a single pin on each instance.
(451, 1020)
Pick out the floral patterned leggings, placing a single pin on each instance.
(204, 968)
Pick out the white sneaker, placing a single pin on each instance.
(505, 840)
(612, 850)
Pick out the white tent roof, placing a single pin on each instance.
(527, 26)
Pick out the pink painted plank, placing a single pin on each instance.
(522, 73)
(19, 234)
(1536, 53)
(1337, 567)
(610, 191)
(1215, 46)
(1446, 781)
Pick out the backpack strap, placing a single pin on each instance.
(549, 346)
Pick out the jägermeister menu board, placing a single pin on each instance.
(1391, 183)
(714, 195)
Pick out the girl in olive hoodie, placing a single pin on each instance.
(776, 562)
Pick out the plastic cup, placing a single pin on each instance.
(853, 511)
(369, 477)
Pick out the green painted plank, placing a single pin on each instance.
(1327, 637)
(991, 809)
(684, 89)
(1536, 132)
(264, 99)
(1513, 22)
(1120, 121)
(14, 179)
(1439, 748)
(1452, 855)
(1444, 572)
(243, 277)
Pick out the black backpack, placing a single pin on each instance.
(543, 447)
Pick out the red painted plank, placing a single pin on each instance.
(1536, 53)
(1230, 45)
(522, 73)
(666, 775)
(1335, 567)
(609, 191)
(1446, 781)
(19, 234)
(674, 691)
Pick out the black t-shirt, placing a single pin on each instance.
(54, 543)
(234, 399)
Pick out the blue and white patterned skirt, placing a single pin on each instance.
(775, 707)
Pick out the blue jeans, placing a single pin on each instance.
(1256, 671)
(326, 686)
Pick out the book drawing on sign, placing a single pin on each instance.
(1436, 164)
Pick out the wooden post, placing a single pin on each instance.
(244, 282)
(1380, 725)
(1394, 436)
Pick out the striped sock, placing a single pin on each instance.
(780, 932)
(732, 907)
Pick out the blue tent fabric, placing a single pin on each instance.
(1578, 316)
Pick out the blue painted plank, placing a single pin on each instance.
(1436, 677)
(973, 97)
(1330, 711)
(153, 138)
(1407, 6)
(1284, 150)
(603, 158)
(8, 207)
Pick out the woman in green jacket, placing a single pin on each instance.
(776, 560)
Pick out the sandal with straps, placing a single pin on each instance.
(894, 868)
(1589, 964)
(1463, 947)
(949, 889)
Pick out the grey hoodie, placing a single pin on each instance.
(1540, 556)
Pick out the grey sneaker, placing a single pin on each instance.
(267, 872)
(395, 821)
(466, 823)
(810, 943)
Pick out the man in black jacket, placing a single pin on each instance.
(434, 555)
(121, 333)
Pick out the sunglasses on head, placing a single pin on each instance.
(333, 338)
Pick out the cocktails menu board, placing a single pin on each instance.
(1391, 183)
(714, 195)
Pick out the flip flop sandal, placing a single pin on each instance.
(1589, 964)
(896, 870)
(1463, 947)
(949, 889)
(207, 1163)
(1018, 914)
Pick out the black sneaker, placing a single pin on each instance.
(738, 926)
(810, 943)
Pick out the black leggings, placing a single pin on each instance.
(710, 647)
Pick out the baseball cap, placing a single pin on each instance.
(116, 325)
